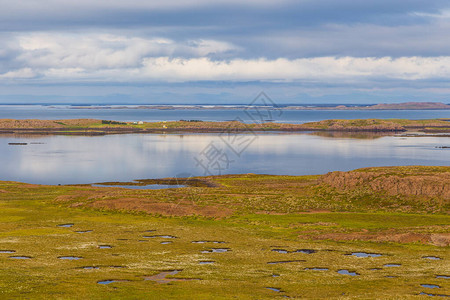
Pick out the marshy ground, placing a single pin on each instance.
(369, 233)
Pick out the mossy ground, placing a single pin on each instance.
(30, 216)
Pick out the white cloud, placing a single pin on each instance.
(117, 58)
(443, 14)
(325, 69)
(23, 73)
(106, 51)
(322, 68)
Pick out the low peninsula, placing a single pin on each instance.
(103, 127)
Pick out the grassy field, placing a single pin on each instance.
(309, 222)
(92, 126)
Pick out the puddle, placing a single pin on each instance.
(105, 247)
(317, 269)
(275, 289)
(143, 187)
(84, 231)
(375, 269)
(90, 268)
(66, 225)
(306, 251)
(165, 243)
(206, 262)
(431, 257)
(390, 276)
(216, 250)
(70, 257)
(275, 275)
(284, 262)
(364, 254)
(108, 281)
(434, 295)
(347, 272)
(7, 251)
(20, 257)
(443, 276)
(391, 265)
(430, 286)
(280, 251)
(204, 242)
(162, 277)
(160, 236)
(151, 230)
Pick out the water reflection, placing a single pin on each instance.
(83, 159)
(351, 135)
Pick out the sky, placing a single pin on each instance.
(224, 51)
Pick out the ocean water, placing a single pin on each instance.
(284, 116)
(87, 159)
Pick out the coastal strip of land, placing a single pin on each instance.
(381, 106)
(103, 127)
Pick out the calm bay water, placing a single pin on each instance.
(287, 116)
(83, 159)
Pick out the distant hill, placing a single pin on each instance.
(411, 105)
(382, 106)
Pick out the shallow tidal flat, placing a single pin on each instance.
(368, 233)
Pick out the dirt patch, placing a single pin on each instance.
(162, 208)
(437, 239)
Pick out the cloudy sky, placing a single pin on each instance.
(224, 51)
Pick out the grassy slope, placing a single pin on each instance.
(267, 215)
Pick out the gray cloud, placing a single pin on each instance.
(301, 45)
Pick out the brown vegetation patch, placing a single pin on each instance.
(97, 127)
(10, 123)
(30, 186)
(163, 208)
(194, 182)
(437, 239)
(77, 195)
(416, 182)
(162, 277)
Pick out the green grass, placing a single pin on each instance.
(30, 215)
